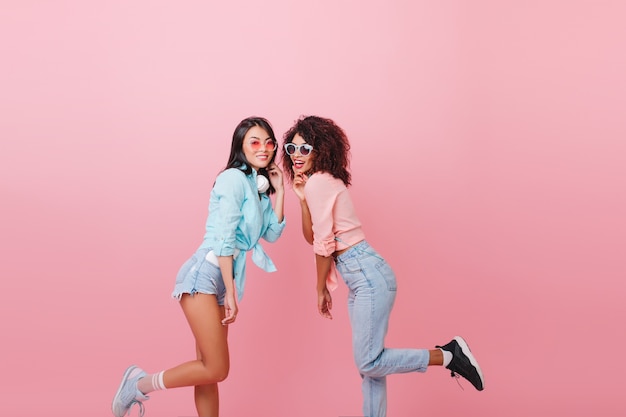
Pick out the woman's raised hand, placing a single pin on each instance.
(276, 176)
(299, 182)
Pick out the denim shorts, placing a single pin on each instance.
(198, 275)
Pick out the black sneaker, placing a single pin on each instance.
(463, 362)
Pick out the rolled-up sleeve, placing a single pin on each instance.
(229, 195)
(321, 194)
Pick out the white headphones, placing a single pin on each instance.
(262, 183)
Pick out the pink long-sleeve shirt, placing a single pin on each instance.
(335, 224)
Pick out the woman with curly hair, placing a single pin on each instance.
(317, 165)
(211, 281)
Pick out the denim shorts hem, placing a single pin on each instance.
(178, 294)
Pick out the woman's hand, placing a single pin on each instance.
(230, 309)
(324, 303)
(276, 176)
(299, 181)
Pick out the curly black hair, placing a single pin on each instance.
(331, 148)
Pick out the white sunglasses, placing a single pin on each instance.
(305, 149)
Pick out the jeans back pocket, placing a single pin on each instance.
(388, 275)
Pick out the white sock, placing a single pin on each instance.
(151, 383)
(447, 357)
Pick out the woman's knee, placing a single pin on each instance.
(221, 374)
(364, 366)
(215, 373)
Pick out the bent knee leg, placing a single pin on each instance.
(215, 373)
(366, 367)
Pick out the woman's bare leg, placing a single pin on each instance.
(207, 396)
(436, 357)
(207, 400)
(204, 316)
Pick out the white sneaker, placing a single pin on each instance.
(127, 394)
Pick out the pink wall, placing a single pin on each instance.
(488, 160)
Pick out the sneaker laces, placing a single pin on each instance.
(141, 407)
(453, 374)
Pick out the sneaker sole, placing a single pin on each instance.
(127, 373)
(466, 350)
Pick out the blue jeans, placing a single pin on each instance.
(372, 292)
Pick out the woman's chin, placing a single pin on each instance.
(259, 164)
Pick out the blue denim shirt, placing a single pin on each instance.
(239, 219)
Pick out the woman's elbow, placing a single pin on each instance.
(271, 238)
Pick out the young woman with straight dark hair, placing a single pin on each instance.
(209, 285)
